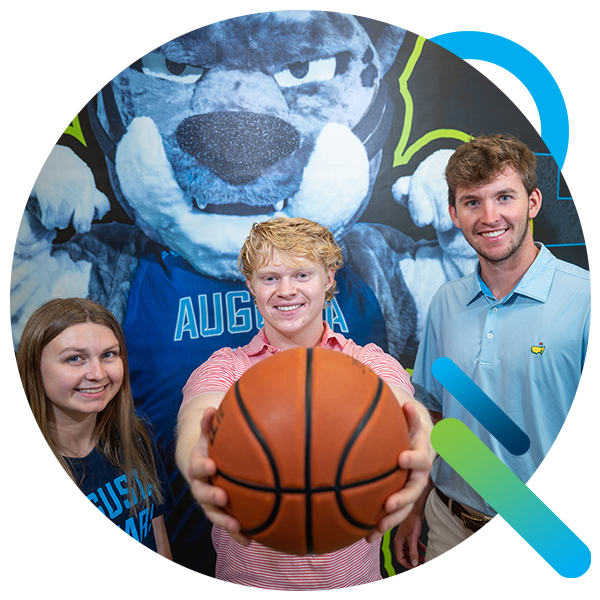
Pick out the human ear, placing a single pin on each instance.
(453, 215)
(249, 286)
(330, 275)
(535, 203)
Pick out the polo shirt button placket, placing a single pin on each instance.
(488, 350)
(494, 311)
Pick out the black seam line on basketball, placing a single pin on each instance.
(307, 452)
(355, 434)
(263, 443)
(313, 490)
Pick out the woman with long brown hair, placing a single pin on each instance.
(72, 361)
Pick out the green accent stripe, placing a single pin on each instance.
(387, 554)
(402, 154)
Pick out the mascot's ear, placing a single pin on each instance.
(387, 39)
(94, 26)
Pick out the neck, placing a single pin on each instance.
(302, 339)
(501, 277)
(75, 437)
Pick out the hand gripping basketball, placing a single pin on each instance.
(306, 445)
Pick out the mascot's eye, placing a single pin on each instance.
(306, 72)
(156, 64)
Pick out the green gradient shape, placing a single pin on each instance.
(402, 154)
(511, 498)
(75, 128)
(386, 551)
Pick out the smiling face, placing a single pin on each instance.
(290, 295)
(494, 218)
(82, 371)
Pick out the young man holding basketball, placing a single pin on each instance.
(290, 267)
(517, 326)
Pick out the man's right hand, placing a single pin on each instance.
(212, 499)
(410, 550)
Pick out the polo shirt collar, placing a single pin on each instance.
(260, 344)
(535, 284)
(331, 338)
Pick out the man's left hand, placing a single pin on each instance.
(418, 460)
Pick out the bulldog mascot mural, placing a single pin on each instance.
(271, 114)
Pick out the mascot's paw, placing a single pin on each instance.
(36, 281)
(49, 189)
(425, 193)
(66, 192)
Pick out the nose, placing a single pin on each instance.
(237, 146)
(287, 287)
(490, 214)
(96, 370)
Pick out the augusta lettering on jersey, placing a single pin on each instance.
(112, 499)
(213, 315)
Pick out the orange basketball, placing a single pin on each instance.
(306, 445)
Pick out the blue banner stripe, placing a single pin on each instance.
(487, 412)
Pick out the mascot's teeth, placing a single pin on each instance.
(238, 209)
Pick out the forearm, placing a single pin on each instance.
(188, 427)
(420, 503)
(424, 416)
(160, 536)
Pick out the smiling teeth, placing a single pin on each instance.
(493, 233)
(92, 390)
(286, 308)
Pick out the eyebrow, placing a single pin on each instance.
(506, 192)
(472, 196)
(292, 268)
(71, 349)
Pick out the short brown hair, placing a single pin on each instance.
(292, 236)
(479, 161)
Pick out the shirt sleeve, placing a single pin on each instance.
(385, 366)
(427, 389)
(584, 337)
(215, 375)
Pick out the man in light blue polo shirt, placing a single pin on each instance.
(517, 326)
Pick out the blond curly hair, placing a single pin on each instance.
(294, 238)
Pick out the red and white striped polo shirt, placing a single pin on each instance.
(226, 365)
(257, 565)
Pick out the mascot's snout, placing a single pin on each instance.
(237, 146)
